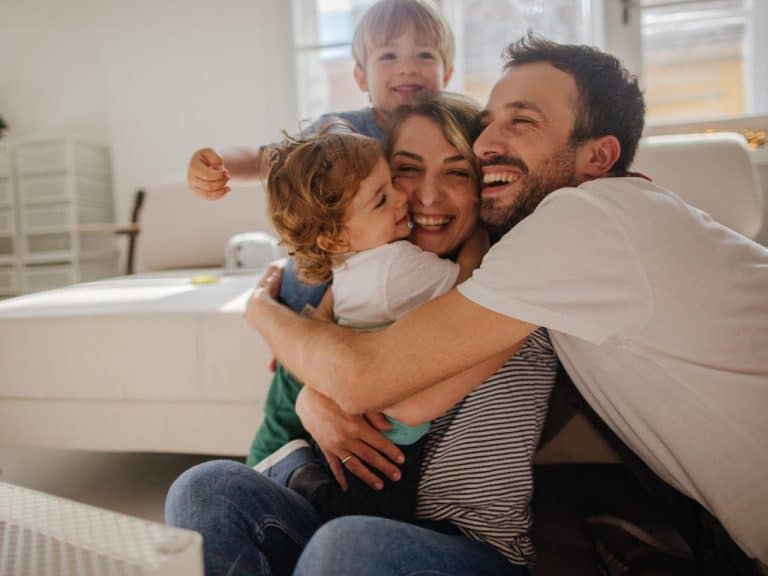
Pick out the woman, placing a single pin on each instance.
(473, 503)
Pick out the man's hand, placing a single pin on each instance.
(340, 436)
(206, 176)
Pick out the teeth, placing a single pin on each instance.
(494, 177)
(432, 221)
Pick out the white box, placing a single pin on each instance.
(54, 156)
(6, 192)
(7, 249)
(7, 221)
(58, 216)
(9, 280)
(38, 278)
(5, 161)
(35, 189)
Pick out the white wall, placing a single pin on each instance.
(155, 79)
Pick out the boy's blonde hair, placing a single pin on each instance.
(310, 184)
(388, 19)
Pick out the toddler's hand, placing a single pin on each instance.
(206, 176)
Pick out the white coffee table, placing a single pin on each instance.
(137, 363)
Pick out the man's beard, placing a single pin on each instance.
(557, 171)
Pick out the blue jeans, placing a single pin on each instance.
(250, 524)
(253, 525)
(356, 545)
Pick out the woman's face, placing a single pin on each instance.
(436, 179)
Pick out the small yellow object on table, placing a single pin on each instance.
(204, 279)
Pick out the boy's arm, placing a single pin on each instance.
(209, 172)
(441, 397)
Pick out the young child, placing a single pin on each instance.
(331, 200)
(401, 48)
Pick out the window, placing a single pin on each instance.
(323, 32)
(696, 56)
(700, 58)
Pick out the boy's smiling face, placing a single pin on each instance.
(397, 72)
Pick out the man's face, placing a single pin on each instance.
(524, 149)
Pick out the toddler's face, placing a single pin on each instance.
(378, 214)
(397, 72)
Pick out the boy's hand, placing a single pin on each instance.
(349, 438)
(206, 176)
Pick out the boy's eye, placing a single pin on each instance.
(387, 56)
(427, 56)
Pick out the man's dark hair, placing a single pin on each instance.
(610, 101)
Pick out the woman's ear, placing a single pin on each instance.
(333, 245)
(597, 156)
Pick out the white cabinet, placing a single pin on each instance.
(52, 188)
(9, 241)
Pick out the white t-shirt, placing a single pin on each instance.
(375, 287)
(660, 316)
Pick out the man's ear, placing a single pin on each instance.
(361, 78)
(333, 245)
(597, 156)
(447, 76)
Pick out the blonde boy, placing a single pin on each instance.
(401, 48)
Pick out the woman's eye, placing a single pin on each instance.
(405, 168)
(459, 173)
(381, 201)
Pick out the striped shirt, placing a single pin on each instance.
(477, 471)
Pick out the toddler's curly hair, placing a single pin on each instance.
(311, 182)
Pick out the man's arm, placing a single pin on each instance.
(363, 372)
(441, 397)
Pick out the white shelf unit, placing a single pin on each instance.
(10, 283)
(62, 184)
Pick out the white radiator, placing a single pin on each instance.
(44, 535)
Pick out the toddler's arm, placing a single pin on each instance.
(209, 172)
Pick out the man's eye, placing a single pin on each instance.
(405, 168)
(522, 121)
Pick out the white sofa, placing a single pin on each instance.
(155, 363)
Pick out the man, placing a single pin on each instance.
(658, 314)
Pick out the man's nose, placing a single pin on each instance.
(489, 143)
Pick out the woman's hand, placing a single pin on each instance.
(340, 436)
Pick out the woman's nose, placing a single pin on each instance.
(430, 192)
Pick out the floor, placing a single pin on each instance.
(136, 484)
